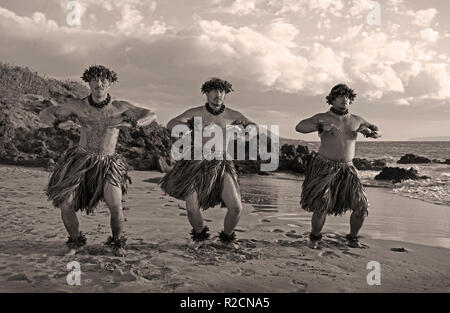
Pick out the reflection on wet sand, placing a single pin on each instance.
(390, 216)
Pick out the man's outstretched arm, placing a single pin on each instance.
(181, 119)
(138, 116)
(56, 113)
(309, 125)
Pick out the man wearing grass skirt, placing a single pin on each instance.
(204, 183)
(332, 185)
(93, 171)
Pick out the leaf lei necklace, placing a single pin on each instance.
(339, 112)
(101, 104)
(210, 110)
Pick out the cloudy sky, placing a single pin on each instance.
(282, 56)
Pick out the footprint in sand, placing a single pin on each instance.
(277, 230)
(91, 268)
(97, 250)
(329, 253)
(351, 254)
(299, 283)
(293, 235)
(40, 277)
(182, 214)
(265, 220)
(245, 272)
(248, 244)
(291, 263)
(19, 277)
(295, 244)
(121, 276)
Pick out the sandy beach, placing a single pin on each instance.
(273, 257)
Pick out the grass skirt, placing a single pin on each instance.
(81, 176)
(332, 187)
(203, 176)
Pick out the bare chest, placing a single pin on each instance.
(345, 128)
(100, 119)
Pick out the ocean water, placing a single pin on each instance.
(391, 217)
(434, 190)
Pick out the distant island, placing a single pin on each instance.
(436, 138)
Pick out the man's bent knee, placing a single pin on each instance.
(115, 211)
(66, 208)
(361, 214)
(235, 209)
(320, 214)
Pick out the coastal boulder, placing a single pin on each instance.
(413, 159)
(397, 174)
(294, 158)
(369, 165)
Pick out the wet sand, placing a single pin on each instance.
(273, 256)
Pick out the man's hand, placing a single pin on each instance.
(127, 119)
(119, 123)
(240, 122)
(375, 135)
(123, 125)
(364, 130)
(68, 125)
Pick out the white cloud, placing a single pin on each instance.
(403, 101)
(332, 6)
(266, 51)
(283, 32)
(423, 17)
(429, 35)
(358, 7)
(248, 53)
(288, 6)
(439, 74)
(38, 22)
(384, 78)
(131, 20)
(352, 33)
(242, 7)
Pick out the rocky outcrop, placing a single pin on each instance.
(413, 159)
(396, 174)
(294, 158)
(369, 165)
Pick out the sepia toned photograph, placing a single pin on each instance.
(224, 147)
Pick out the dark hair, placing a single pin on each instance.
(341, 90)
(217, 83)
(99, 71)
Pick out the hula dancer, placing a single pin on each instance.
(332, 184)
(206, 183)
(92, 171)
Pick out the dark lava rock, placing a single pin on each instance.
(413, 159)
(369, 165)
(399, 249)
(396, 174)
